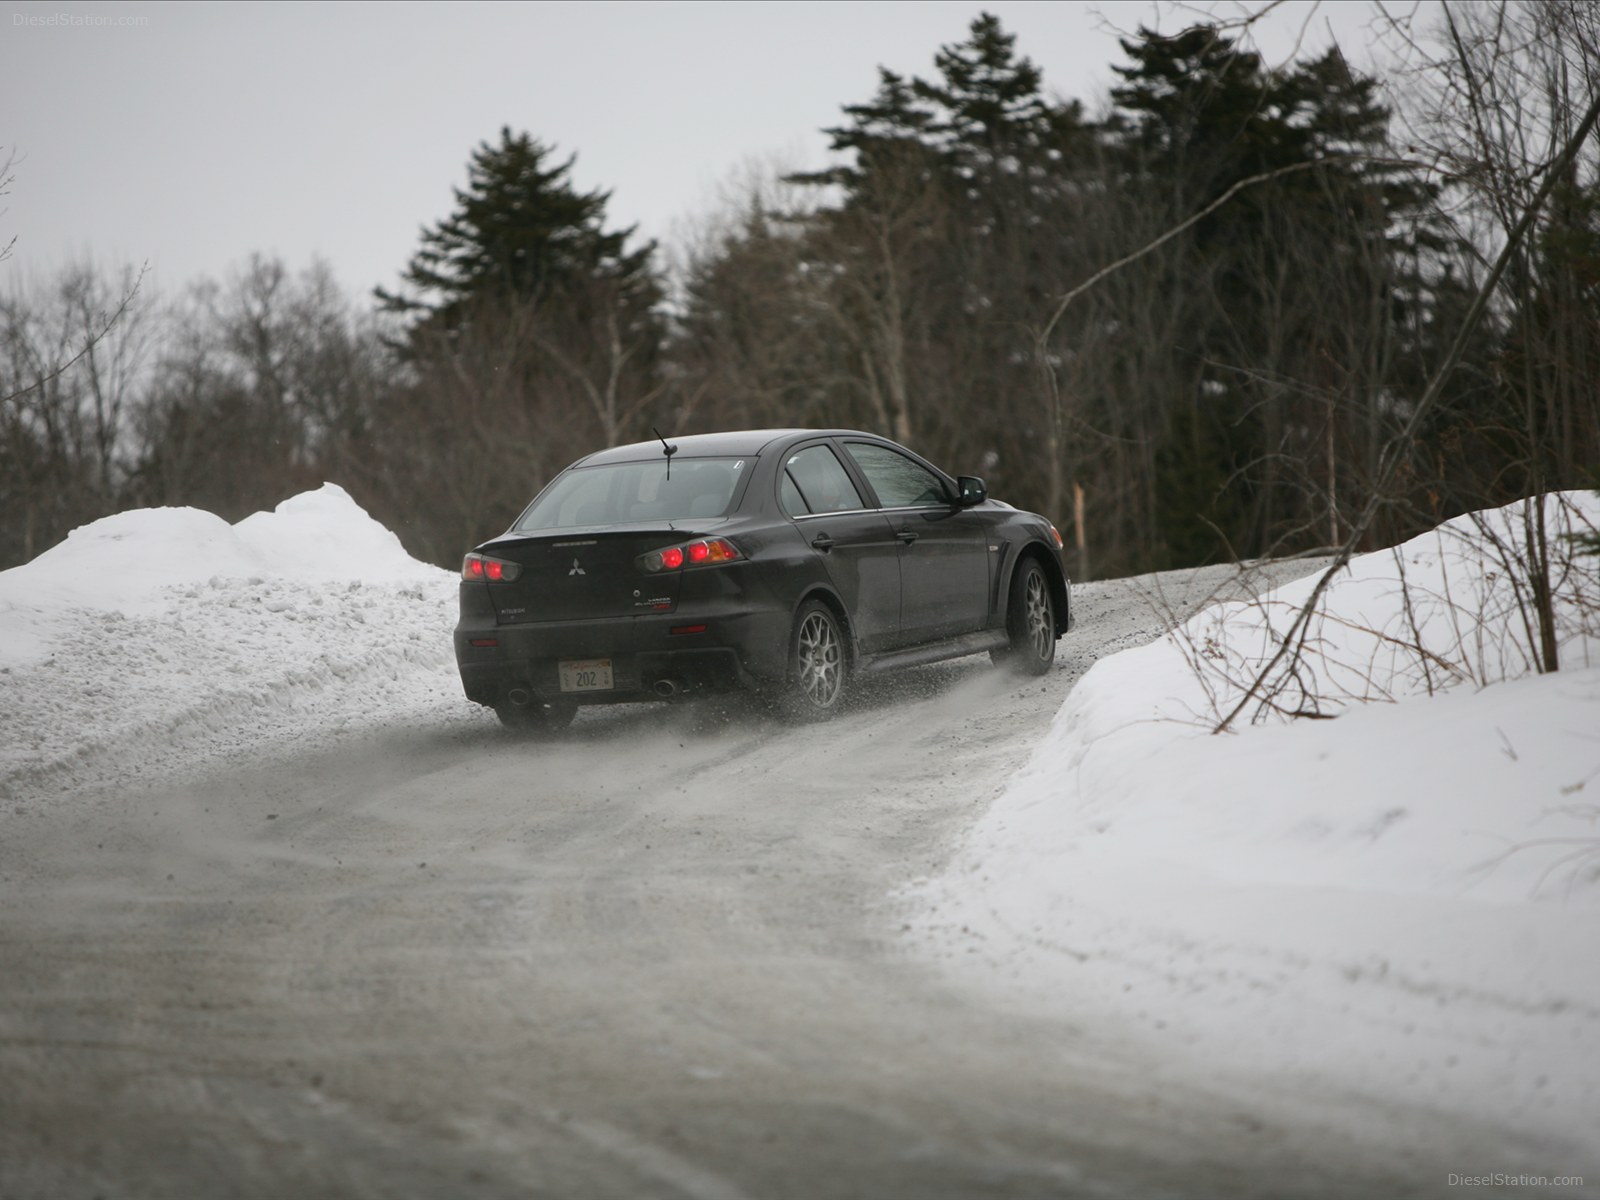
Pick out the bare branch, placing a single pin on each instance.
(1396, 451)
(89, 343)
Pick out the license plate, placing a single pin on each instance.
(586, 675)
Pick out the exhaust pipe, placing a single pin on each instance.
(520, 696)
(665, 688)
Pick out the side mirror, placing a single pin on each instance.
(972, 491)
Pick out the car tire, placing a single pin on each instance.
(819, 665)
(1030, 622)
(538, 717)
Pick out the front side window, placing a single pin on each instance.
(815, 479)
(899, 481)
(622, 493)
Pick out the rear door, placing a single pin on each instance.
(854, 541)
(944, 553)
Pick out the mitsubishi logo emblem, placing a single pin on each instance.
(576, 569)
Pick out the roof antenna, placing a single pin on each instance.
(669, 451)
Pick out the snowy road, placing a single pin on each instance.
(659, 956)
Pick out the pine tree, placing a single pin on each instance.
(891, 129)
(520, 232)
(534, 336)
(991, 118)
(985, 118)
(949, 211)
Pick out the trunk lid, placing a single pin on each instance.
(575, 575)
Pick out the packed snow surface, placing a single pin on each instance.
(1399, 903)
(1402, 902)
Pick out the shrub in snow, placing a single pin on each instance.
(1482, 599)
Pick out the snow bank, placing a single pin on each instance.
(164, 636)
(1401, 904)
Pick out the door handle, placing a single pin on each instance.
(822, 542)
(908, 536)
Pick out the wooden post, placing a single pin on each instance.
(1077, 530)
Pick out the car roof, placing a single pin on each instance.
(747, 443)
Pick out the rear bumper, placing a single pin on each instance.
(735, 650)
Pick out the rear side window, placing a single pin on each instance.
(620, 493)
(899, 481)
(793, 502)
(815, 482)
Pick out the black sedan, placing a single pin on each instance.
(782, 561)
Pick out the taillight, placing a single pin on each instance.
(480, 568)
(1056, 533)
(708, 552)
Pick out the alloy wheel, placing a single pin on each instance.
(820, 660)
(1040, 620)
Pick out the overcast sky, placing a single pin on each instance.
(190, 135)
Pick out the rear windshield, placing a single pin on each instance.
(621, 493)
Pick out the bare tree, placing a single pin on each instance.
(756, 339)
(7, 178)
(267, 384)
(71, 357)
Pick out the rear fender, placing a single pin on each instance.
(829, 597)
